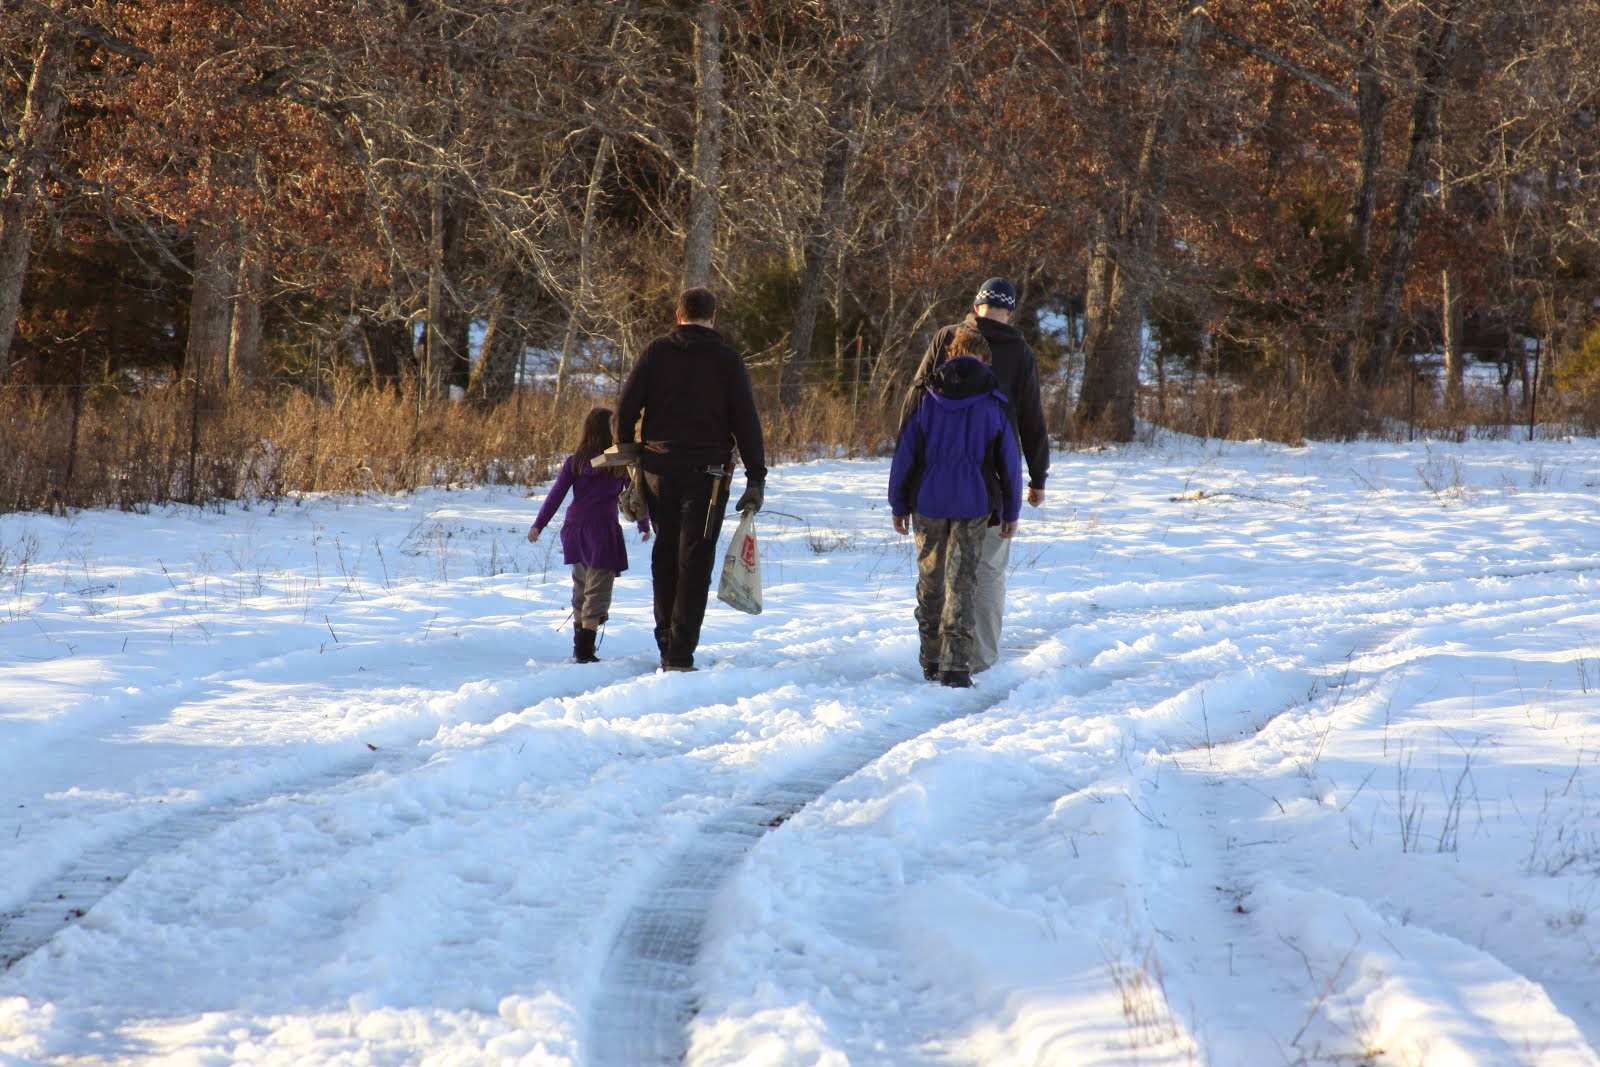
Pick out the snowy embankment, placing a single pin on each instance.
(1293, 757)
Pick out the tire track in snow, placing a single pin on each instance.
(646, 996)
(62, 899)
(1216, 879)
(67, 896)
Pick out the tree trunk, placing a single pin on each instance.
(210, 308)
(244, 343)
(1094, 393)
(820, 239)
(1108, 401)
(1372, 101)
(707, 163)
(577, 310)
(505, 340)
(1103, 229)
(702, 195)
(1454, 355)
(1097, 287)
(1433, 67)
(449, 363)
(388, 347)
(431, 373)
(488, 373)
(34, 138)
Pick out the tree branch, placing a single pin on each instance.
(1267, 55)
(89, 32)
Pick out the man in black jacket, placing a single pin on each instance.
(695, 395)
(1018, 372)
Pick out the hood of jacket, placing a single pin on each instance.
(961, 381)
(994, 331)
(688, 334)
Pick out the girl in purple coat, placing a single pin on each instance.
(591, 539)
(956, 471)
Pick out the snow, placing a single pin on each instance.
(1293, 757)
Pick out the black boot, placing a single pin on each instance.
(956, 679)
(583, 646)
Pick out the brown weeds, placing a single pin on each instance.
(101, 447)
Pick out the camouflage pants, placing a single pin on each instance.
(947, 575)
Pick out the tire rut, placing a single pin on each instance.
(59, 901)
(646, 997)
(67, 896)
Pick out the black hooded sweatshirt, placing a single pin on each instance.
(697, 401)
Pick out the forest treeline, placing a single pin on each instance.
(303, 244)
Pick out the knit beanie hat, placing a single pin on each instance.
(996, 291)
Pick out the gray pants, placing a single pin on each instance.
(591, 595)
(989, 599)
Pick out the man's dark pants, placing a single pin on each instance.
(684, 556)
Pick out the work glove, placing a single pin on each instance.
(750, 500)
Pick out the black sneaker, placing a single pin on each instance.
(956, 679)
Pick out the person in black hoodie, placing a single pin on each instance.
(694, 394)
(1017, 372)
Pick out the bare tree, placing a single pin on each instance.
(1437, 40)
(30, 154)
(1454, 348)
(829, 186)
(211, 306)
(244, 339)
(853, 74)
(706, 164)
(1114, 344)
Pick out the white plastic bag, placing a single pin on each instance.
(740, 586)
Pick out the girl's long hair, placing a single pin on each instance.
(967, 341)
(595, 438)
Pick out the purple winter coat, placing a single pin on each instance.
(957, 456)
(590, 533)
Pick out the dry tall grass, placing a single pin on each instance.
(100, 448)
(103, 449)
(1219, 408)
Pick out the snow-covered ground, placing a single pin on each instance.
(1293, 758)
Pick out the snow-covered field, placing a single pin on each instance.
(1293, 758)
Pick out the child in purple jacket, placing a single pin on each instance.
(957, 470)
(591, 539)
